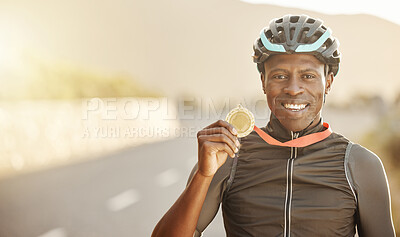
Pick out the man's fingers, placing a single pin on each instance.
(222, 123)
(221, 138)
(219, 146)
(219, 130)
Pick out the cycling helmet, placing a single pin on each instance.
(297, 34)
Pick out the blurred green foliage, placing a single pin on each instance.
(70, 83)
(67, 82)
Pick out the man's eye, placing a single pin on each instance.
(308, 76)
(279, 77)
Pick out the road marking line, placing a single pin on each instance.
(123, 200)
(58, 232)
(167, 178)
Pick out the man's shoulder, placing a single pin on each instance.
(357, 154)
(336, 135)
(363, 158)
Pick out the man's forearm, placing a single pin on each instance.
(181, 219)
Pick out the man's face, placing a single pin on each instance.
(295, 86)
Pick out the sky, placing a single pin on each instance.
(386, 9)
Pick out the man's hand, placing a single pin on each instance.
(215, 143)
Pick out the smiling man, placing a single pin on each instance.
(295, 86)
(293, 177)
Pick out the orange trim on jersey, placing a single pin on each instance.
(298, 142)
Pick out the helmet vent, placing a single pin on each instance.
(310, 21)
(292, 31)
(336, 53)
(302, 37)
(294, 19)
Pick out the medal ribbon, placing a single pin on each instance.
(298, 142)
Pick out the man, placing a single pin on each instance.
(307, 181)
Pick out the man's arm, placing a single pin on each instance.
(373, 195)
(215, 143)
(181, 218)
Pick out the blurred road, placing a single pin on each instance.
(121, 194)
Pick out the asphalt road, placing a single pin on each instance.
(120, 194)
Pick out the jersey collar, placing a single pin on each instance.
(277, 134)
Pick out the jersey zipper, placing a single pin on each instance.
(289, 186)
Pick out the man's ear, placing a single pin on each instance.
(263, 81)
(329, 82)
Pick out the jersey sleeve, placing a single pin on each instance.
(214, 195)
(373, 196)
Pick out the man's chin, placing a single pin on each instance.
(294, 125)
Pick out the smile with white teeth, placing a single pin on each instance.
(295, 107)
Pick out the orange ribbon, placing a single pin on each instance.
(298, 142)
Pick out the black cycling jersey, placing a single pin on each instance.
(328, 188)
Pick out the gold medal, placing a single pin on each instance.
(242, 119)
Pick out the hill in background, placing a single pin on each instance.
(200, 48)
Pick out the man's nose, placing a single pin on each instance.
(294, 87)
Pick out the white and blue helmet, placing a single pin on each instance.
(297, 34)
